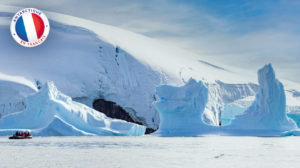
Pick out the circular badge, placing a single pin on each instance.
(30, 27)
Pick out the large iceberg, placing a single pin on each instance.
(51, 113)
(267, 114)
(181, 110)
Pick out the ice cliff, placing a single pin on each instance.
(13, 91)
(49, 112)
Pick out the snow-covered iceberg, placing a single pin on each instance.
(267, 114)
(51, 113)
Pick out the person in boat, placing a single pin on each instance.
(27, 133)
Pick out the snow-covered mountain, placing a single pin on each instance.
(89, 61)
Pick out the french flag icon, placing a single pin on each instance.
(30, 27)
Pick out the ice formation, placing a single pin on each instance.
(268, 111)
(181, 110)
(49, 112)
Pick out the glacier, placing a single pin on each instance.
(181, 110)
(51, 113)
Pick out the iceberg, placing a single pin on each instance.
(51, 113)
(181, 110)
(267, 114)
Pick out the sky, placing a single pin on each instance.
(242, 33)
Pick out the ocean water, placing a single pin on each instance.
(296, 118)
(156, 152)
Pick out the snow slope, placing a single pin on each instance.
(49, 112)
(89, 60)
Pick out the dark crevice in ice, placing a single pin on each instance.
(113, 110)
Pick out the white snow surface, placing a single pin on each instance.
(151, 152)
(51, 113)
(89, 60)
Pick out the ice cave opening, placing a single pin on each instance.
(113, 110)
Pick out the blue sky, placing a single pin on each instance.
(247, 34)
